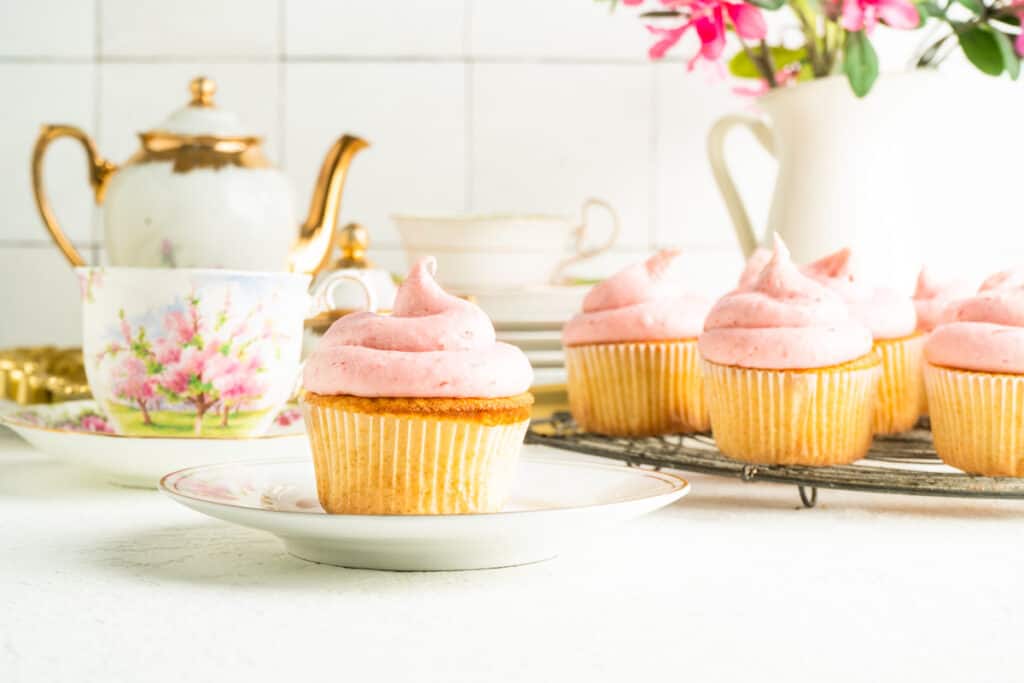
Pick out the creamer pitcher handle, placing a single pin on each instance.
(100, 171)
(580, 237)
(323, 293)
(730, 195)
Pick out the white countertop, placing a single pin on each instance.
(733, 583)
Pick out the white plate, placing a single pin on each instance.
(542, 307)
(532, 340)
(67, 432)
(558, 502)
(543, 377)
(546, 359)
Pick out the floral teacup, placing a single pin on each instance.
(195, 352)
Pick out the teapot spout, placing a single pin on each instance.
(312, 250)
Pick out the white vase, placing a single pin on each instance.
(919, 171)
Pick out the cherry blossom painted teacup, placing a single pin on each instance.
(196, 352)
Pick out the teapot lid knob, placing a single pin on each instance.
(353, 241)
(203, 89)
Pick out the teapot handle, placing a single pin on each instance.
(100, 171)
(730, 195)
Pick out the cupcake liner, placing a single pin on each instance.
(901, 387)
(977, 420)
(637, 389)
(792, 417)
(398, 464)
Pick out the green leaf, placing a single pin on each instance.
(929, 8)
(1011, 62)
(1011, 19)
(974, 5)
(767, 4)
(860, 63)
(981, 49)
(742, 67)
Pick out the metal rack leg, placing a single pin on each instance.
(808, 501)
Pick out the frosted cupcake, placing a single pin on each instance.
(419, 412)
(892, 320)
(789, 373)
(974, 373)
(631, 355)
(932, 299)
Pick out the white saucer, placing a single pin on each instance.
(557, 503)
(532, 340)
(540, 307)
(544, 377)
(68, 432)
(546, 359)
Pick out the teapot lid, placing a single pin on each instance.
(202, 135)
(202, 117)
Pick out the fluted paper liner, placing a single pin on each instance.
(396, 464)
(793, 417)
(901, 387)
(977, 420)
(637, 389)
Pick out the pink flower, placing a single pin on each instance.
(131, 380)
(707, 17)
(126, 332)
(288, 416)
(94, 423)
(166, 351)
(179, 327)
(862, 15)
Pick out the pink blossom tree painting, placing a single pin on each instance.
(199, 362)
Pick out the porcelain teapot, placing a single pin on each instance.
(200, 193)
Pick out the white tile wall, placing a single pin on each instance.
(469, 104)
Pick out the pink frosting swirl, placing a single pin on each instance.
(886, 312)
(755, 264)
(434, 345)
(933, 297)
(645, 302)
(784, 320)
(986, 333)
(1013, 277)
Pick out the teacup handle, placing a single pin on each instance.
(580, 236)
(323, 293)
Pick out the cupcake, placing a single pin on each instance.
(419, 412)
(892, 320)
(974, 374)
(789, 373)
(932, 299)
(631, 355)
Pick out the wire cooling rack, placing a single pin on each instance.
(905, 463)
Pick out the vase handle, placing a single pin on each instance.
(730, 195)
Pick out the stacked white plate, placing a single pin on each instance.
(532, 319)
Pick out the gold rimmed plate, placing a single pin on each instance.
(78, 434)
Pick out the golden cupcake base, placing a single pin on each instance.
(820, 416)
(637, 389)
(901, 385)
(414, 456)
(977, 420)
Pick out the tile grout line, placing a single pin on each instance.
(97, 117)
(652, 161)
(282, 85)
(467, 93)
